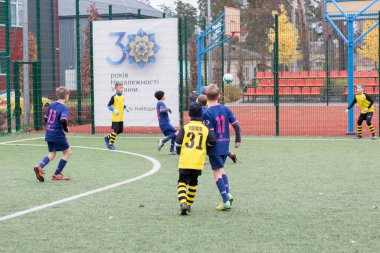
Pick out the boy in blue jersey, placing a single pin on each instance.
(56, 120)
(163, 119)
(203, 100)
(116, 106)
(217, 118)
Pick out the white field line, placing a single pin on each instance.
(155, 168)
(30, 139)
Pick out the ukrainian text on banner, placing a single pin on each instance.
(143, 56)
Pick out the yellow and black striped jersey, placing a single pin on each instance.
(117, 102)
(192, 140)
(364, 101)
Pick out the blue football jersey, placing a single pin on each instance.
(163, 117)
(54, 129)
(217, 118)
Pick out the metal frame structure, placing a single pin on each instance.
(350, 41)
(202, 50)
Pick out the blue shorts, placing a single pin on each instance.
(58, 146)
(168, 130)
(217, 161)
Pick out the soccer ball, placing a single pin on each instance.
(228, 78)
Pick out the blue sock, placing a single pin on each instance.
(222, 189)
(170, 136)
(172, 144)
(61, 165)
(225, 179)
(44, 161)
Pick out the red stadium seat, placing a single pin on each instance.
(264, 82)
(286, 74)
(322, 74)
(250, 91)
(287, 91)
(271, 82)
(318, 82)
(346, 91)
(315, 91)
(334, 73)
(260, 91)
(361, 81)
(282, 82)
(295, 75)
(300, 82)
(343, 73)
(371, 82)
(260, 75)
(291, 82)
(364, 73)
(356, 73)
(305, 91)
(269, 91)
(376, 91)
(268, 75)
(281, 90)
(373, 73)
(309, 82)
(304, 74)
(296, 91)
(368, 90)
(313, 74)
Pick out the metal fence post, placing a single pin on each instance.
(8, 65)
(276, 76)
(79, 85)
(327, 73)
(180, 53)
(110, 12)
(16, 83)
(92, 80)
(37, 91)
(186, 66)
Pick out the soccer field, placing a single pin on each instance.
(291, 195)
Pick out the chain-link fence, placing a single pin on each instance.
(290, 75)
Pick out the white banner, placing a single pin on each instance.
(143, 56)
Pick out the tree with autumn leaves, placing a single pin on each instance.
(85, 67)
(370, 46)
(288, 38)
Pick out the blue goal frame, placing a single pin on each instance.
(220, 30)
(350, 41)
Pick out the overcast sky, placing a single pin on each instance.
(156, 3)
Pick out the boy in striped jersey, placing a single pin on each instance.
(366, 111)
(191, 145)
(116, 106)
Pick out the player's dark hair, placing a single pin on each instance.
(62, 92)
(203, 100)
(159, 94)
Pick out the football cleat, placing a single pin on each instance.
(223, 206)
(107, 140)
(160, 144)
(39, 173)
(359, 137)
(172, 153)
(374, 137)
(230, 198)
(59, 177)
(184, 209)
(233, 157)
(111, 147)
